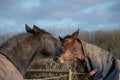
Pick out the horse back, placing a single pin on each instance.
(108, 66)
(8, 71)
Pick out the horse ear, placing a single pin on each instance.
(75, 34)
(61, 39)
(28, 29)
(36, 29)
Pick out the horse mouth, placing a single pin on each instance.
(59, 60)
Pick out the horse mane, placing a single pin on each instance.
(37, 29)
(78, 40)
(44, 31)
(67, 36)
(17, 39)
(70, 36)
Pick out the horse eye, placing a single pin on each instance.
(66, 40)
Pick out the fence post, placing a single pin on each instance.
(70, 75)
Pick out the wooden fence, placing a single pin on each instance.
(68, 74)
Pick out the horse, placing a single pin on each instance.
(18, 52)
(98, 63)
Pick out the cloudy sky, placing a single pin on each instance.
(59, 15)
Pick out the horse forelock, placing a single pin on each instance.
(50, 45)
(68, 36)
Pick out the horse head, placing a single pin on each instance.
(21, 49)
(72, 48)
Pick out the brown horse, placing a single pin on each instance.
(18, 52)
(98, 63)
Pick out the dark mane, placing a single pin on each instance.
(70, 36)
(15, 39)
(40, 30)
(44, 31)
(67, 36)
(78, 40)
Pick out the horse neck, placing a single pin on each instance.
(20, 53)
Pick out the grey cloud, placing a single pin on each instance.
(57, 10)
(50, 8)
